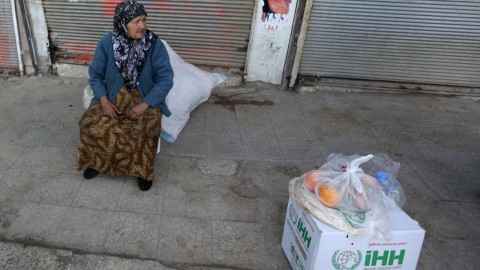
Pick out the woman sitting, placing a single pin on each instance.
(130, 76)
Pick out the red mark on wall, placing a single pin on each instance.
(8, 50)
(78, 52)
(220, 12)
(272, 8)
(162, 5)
(108, 7)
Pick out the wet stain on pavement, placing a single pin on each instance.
(247, 189)
(290, 171)
(230, 103)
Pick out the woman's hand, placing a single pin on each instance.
(138, 110)
(108, 108)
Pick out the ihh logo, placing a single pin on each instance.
(302, 229)
(389, 257)
(350, 260)
(346, 259)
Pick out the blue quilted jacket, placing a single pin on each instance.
(156, 78)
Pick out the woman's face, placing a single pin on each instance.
(136, 27)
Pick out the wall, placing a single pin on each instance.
(269, 40)
(268, 46)
(40, 32)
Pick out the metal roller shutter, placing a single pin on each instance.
(434, 42)
(8, 43)
(206, 32)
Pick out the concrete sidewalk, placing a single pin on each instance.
(222, 188)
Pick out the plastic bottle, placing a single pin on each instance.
(391, 187)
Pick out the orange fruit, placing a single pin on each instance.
(310, 180)
(327, 195)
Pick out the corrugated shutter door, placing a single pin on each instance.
(207, 32)
(8, 47)
(435, 42)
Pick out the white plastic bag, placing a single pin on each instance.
(191, 87)
(87, 96)
(328, 215)
(385, 170)
(341, 188)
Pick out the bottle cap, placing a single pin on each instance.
(382, 176)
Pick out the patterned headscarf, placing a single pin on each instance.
(129, 55)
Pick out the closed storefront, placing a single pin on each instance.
(204, 32)
(431, 42)
(9, 54)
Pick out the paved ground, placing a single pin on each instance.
(221, 191)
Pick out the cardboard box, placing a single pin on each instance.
(312, 245)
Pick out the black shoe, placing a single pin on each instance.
(90, 173)
(143, 184)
